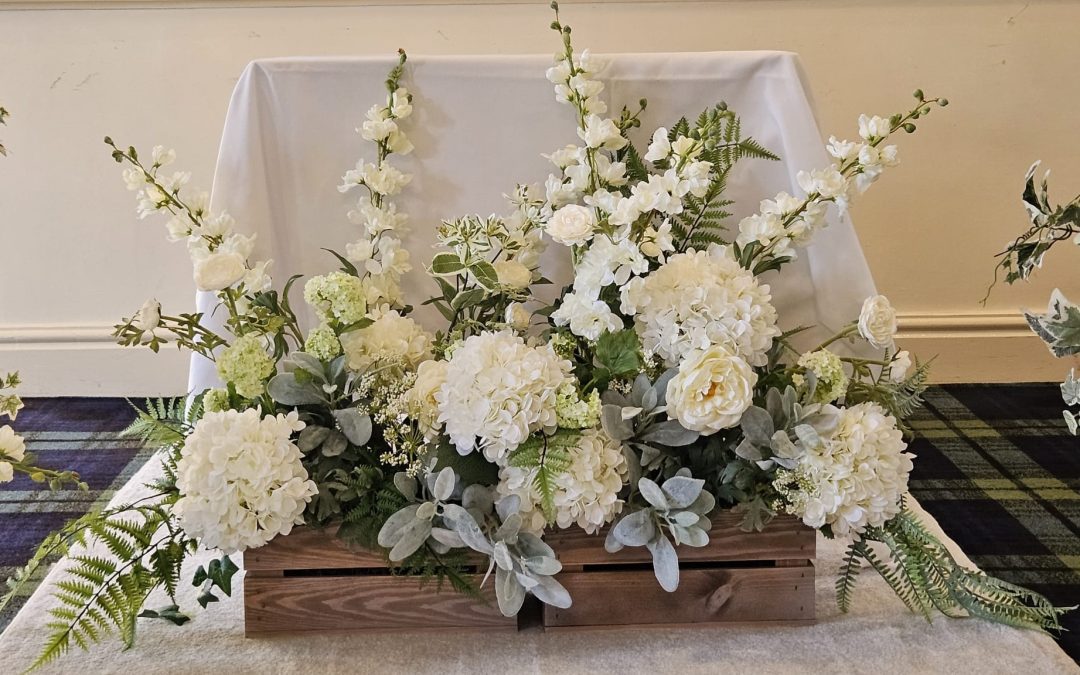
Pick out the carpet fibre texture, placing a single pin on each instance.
(999, 470)
(81, 434)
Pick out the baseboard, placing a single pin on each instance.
(83, 360)
(981, 347)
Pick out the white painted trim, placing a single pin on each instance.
(83, 360)
(43, 5)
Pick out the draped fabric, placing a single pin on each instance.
(480, 126)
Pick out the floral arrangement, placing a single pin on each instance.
(658, 387)
(1059, 328)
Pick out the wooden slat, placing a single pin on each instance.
(308, 548)
(358, 603)
(785, 537)
(734, 595)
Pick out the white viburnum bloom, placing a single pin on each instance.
(512, 274)
(241, 480)
(12, 445)
(571, 225)
(660, 147)
(391, 339)
(873, 128)
(900, 366)
(587, 318)
(601, 133)
(877, 321)
(711, 391)
(586, 494)
(420, 400)
(700, 298)
(498, 390)
(858, 475)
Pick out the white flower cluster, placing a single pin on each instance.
(12, 449)
(241, 480)
(586, 494)
(219, 255)
(498, 390)
(378, 253)
(698, 299)
(858, 475)
(785, 221)
(392, 339)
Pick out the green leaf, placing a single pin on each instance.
(170, 613)
(446, 264)
(468, 298)
(485, 274)
(619, 352)
(471, 469)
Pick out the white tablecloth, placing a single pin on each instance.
(480, 125)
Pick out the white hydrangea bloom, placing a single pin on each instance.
(858, 475)
(241, 480)
(698, 299)
(391, 339)
(498, 390)
(586, 495)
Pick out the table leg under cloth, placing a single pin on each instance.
(879, 635)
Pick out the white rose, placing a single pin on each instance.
(421, 402)
(877, 321)
(219, 270)
(711, 391)
(513, 274)
(900, 366)
(572, 225)
(517, 317)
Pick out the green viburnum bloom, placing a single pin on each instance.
(246, 365)
(563, 344)
(215, 400)
(832, 381)
(574, 412)
(337, 296)
(323, 343)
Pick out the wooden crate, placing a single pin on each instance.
(309, 581)
(739, 577)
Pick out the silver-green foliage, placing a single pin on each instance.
(680, 506)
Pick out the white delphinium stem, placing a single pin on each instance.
(378, 254)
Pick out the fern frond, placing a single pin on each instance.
(845, 582)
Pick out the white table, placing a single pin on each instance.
(480, 126)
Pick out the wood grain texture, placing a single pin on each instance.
(351, 603)
(785, 537)
(735, 595)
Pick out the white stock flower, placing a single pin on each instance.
(842, 149)
(385, 179)
(654, 242)
(586, 494)
(218, 270)
(608, 262)
(900, 366)
(391, 339)
(377, 220)
(377, 127)
(571, 225)
(711, 391)
(871, 128)
(877, 321)
(763, 228)
(421, 399)
(588, 318)
(513, 274)
(12, 445)
(701, 298)
(858, 475)
(498, 390)
(162, 156)
(660, 147)
(401, 103)
(829, 183)
(601, 133)
(565, 156)
(241, 480)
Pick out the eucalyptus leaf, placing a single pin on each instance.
(661, 385)
(311, 437)
(501, 554)
(335, 444)
(509, 528)
(748, 451)
(304, 361)
(426, 511)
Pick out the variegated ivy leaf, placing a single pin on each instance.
(1060, 326)
(1070, 389)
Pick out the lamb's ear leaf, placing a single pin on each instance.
(665, 563)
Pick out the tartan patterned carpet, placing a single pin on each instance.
(996, 467)
(72, 433)
(1000, 472)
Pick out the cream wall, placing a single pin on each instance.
(75, 258)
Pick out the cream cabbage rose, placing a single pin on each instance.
(391, 339)
(513, 274)
(421, 398)
(711, 391)
(877, 321)
(219, 270)
(572, 225)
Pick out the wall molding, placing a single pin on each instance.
(81, 359)
(39, 5)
